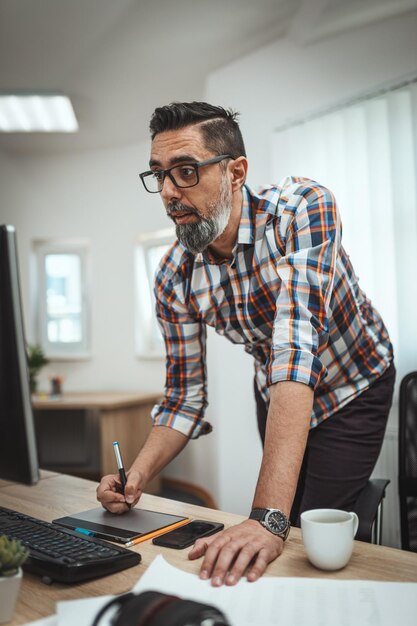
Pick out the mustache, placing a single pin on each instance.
(177, 207)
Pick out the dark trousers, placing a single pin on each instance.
(341, 452)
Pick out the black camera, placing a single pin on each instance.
(152, 608)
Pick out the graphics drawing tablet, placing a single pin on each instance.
(122, 528)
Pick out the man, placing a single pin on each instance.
(267, 270)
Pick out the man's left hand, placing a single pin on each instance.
(246, 547)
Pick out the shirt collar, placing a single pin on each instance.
(247, 219)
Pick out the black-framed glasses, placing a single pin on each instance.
(183, 175)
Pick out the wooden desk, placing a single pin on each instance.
(110, 416)
(58, 495)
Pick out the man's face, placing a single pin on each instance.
(200, 213)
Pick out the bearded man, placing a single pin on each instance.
(267, 270)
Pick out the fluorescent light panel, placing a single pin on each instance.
(36, 114)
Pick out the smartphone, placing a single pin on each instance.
(186, 535)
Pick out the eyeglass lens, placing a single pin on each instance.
(182, 176)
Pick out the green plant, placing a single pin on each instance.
(12, 556)
(36, 360)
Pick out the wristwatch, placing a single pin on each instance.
(273, 520)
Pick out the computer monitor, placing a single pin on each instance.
(18, 454)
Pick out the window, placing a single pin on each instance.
(150, 249)
(61, 299)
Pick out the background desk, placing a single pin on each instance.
(57, 495)
(75, 432)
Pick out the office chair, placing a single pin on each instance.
(368, 508)
(407, 461)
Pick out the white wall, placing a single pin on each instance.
(98, 196)
(285, 81)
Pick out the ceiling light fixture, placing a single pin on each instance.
(36, 113)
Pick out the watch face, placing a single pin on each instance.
(276, 522)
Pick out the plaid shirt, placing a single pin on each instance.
(289, 295)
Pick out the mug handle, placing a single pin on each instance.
(355, 522)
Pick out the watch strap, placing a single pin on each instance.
(258, 514)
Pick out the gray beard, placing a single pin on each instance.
(197, 237)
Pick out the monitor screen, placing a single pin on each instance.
(18, 455)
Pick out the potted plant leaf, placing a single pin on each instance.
(12, 556)
(36, 360)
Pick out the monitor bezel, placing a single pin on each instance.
(25, 466)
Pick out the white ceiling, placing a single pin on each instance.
(118, 59)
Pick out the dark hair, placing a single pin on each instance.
(219, 127)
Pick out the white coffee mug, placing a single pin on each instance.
(328, 537)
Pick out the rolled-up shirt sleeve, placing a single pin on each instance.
(185, 397)
(310, 229)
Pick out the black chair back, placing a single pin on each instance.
(407, 461)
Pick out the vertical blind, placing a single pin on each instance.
(366, 153)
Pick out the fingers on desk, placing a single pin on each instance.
(240, 549)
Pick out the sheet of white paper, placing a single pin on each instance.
(82, 612)
(52, 620)
(291, 601)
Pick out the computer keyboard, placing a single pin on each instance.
(58, 554)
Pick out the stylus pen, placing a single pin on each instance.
(120, 466)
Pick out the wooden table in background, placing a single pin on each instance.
(57, 495)
(121, 416)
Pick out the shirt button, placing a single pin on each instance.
(240, 305)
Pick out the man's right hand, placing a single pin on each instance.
(109, 491)
(161, 446)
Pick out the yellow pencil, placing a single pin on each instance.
(156, 533)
